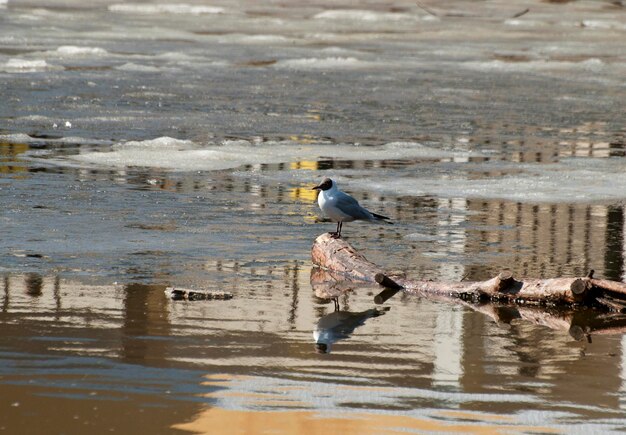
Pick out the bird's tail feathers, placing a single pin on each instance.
(380, 217)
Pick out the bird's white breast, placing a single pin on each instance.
(327, 200)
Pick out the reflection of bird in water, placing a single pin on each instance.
(339, 325)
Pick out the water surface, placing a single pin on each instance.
(147, 145)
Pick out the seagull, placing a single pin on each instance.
(341, 207)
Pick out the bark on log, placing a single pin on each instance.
(337, 255)
(614, 288)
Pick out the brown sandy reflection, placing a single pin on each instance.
(32, 409)
(145, 315)
(62, 353)
(349, 423)
(294, 409)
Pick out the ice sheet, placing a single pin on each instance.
(279, 70)
(17, 65)
(323, 63)
(592, 64)
(134, 67)
(169, 8)
(572, 180)
(363, 15)
(183, 155)
(72, 50)
(21, 138)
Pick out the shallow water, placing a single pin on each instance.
(147, 145)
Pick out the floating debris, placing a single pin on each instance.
(179, 294)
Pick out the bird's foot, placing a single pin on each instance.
(335, 235)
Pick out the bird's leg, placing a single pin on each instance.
(337, 233)
(336, 302)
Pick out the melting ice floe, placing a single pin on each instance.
(241, 38)
(184, 155)
(363, 15)
(71, 50)
(67, 141)
(593, 24)
(322, 63)
(133, 67)
(16, 65)
(171, 8)
(573, 180)
(603, 24)
(570, 180)
(591, 64)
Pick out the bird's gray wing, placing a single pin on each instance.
(350, 206)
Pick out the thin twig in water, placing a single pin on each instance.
(425, 9)
(434, 14)
(519, 14)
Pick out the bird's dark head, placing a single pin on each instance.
(326, 184)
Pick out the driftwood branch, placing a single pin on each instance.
(339, 257)
(576, 305)
(580, 323)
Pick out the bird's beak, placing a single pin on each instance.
(316, 188)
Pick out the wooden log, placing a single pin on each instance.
(385, 295)
(386, 281)
(503, 281)
(580, 323)
(391, 288)
(530, 291)
(339, 256)
(611, 304)
(616, 289)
